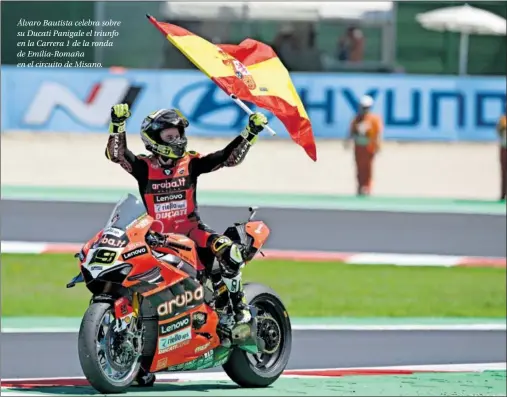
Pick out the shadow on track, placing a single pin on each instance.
(82, 388)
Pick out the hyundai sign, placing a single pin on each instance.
(413, 107)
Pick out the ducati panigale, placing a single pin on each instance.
(164, 307)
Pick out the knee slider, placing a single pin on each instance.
(232, 261)
(236, 255)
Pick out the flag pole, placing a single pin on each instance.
(242, 105)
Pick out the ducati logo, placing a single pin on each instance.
(167, 172)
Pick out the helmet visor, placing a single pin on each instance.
(174, 149)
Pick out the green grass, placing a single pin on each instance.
(34, 285)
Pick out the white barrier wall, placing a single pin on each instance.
(456, 170)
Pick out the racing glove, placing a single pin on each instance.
(119, 113)
(256, 123)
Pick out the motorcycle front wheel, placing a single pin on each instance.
(274, 327)
(108, 361)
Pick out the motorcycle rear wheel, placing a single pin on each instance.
(251, 371)
(96, 333)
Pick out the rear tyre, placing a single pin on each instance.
(96, 343)
(262, 370)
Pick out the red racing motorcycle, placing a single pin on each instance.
(167, 309)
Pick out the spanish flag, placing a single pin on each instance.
(252, 72)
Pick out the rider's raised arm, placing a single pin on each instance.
(116, 149)
(117, 152)
(234, 153)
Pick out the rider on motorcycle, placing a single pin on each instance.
(167, 181)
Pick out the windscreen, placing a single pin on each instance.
(127, 210)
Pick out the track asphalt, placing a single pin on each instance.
(55, 354)
(330, 230)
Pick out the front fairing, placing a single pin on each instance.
(102, 259)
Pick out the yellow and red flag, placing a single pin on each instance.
(252, 72)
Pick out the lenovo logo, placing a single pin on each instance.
(175, 325)
(164, 198)
(134, 253)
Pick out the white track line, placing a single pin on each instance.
(14, 394)
(371, 258)
(39, 330)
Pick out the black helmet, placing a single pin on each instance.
(158, 121)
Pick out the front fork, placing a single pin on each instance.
(127, 322)
(126, 313)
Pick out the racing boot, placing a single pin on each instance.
(144, 379)
(231, 261)
(234, 284)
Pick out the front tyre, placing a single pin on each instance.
(261, 370)
(105, 364)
